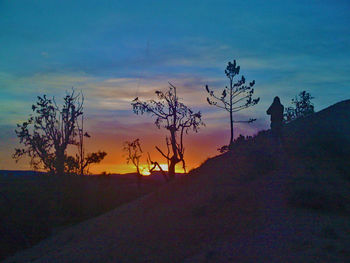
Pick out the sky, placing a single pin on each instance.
(113, 51)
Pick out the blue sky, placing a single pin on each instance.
(116, 50)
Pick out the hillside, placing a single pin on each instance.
(266, 201)
(33, 205)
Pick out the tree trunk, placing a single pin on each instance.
(231, 125)
(59, 162)
(231, 118)
(174, 159)
(172, 168)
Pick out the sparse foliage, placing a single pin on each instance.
(302, 106)
(84, 161)
(133, 153)
(174, 116)
(235, 97)
(91, 158)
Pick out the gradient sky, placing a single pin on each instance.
(116, 50)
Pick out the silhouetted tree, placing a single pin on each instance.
(73, 165)
(81, 149)
(235, 97)
(84, 161)
(48, 132)
(174, 116)
(134, 153)
(302, 106)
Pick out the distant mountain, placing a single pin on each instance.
(19, 172)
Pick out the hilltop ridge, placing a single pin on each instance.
(265, 201)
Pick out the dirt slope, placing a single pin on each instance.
(174, 223)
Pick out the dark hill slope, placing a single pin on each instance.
(320, 139)
(324, 135)
(254, 204)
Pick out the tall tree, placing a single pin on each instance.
(302, 106)
(48, 132)
(175, 117)
(235, 97)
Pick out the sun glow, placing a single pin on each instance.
(163, 166)
(129, 168)
(144, 169)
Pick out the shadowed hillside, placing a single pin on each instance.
(34, 206)
(267, 200)
(321, 137)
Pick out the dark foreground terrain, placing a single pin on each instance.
(34, 207)
(267, 200)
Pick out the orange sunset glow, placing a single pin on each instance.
(174, 131)
(116, 129)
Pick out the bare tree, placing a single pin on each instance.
(235, 97)
(84, 161)
(81, 148)
(48, 132)
(134, 153)
(174, 116)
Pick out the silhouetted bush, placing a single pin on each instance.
(302, 107)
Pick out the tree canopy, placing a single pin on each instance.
(48, 132)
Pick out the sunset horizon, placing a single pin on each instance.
(174, 131)
(114, 58)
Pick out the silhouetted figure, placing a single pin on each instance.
(276, 111)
